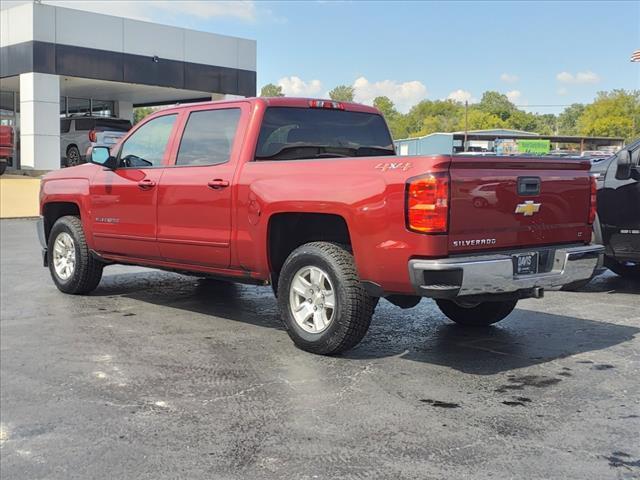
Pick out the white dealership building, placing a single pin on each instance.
(58, 62)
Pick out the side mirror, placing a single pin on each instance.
(623, 172)
(102, 156)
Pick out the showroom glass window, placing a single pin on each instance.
(102, 108)
(208, 137)
(78, 106)
(146, 146)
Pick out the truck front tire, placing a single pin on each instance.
(323, 304)
(73, 269)
(479, 314)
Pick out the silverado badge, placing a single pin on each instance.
(528, 208)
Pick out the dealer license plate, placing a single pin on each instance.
(525, 263)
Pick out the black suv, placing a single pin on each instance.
(618, 224)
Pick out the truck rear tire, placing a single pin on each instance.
(479, 314)
(323, 304)
(73, 269)
(73, 156)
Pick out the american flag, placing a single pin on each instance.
(635, 56)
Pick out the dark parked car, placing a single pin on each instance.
(618, 224)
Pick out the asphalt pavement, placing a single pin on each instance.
(162, 376)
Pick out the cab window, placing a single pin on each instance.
(145, 148)
(208, 137)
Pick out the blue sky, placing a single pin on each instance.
(540, 53)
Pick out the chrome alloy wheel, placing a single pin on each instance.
(312, 299)
(64, 256)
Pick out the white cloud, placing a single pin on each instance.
(403, 95)
(509, 78)
(461, 96)
(578, 78)
(296, 87)
(514, 96)
(155, 10)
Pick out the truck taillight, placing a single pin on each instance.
(427, 201)
(92, 136)
(593, 199)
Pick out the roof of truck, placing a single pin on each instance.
(282, 102)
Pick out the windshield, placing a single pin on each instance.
(289, 133)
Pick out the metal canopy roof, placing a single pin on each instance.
(600, 141)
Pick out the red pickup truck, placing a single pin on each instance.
(6, 146)
(309, 197)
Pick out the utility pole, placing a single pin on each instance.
(466, 123)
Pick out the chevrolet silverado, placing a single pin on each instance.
(309, 197)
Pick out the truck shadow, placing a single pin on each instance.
(524, 339)
(611, 283)
(421, 334)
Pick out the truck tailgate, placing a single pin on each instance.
(510, 202)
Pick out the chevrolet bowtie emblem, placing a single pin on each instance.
(528, 208)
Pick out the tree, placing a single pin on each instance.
(386, 106)
(497, 103)
(271, 90)
(547, 124)
(521, 120)
(480, 120)
(141, 112)
(568, 119)
(342, 93)
(612, 114)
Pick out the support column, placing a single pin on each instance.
(124, 110)
(39, 121)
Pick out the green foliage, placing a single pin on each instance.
(481, 120)
(342, 93)
(271, 90)
(568, 120)
(386, 106)
(497, 104)
(612, 114)
(141, 112)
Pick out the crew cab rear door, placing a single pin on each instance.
(195, 194)
(510, 202)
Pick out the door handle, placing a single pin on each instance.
(218, 183)
(146, 184)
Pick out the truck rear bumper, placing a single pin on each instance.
(494, 273)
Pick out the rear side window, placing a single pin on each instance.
(289, 133)
(85, 124)
(65, 126)
(208, 137)
(115, 124)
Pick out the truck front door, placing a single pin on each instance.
(124, 200)
(195, 193)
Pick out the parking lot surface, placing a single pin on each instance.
(158, 375)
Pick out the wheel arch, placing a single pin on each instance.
(52, 211)
(286, 231)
